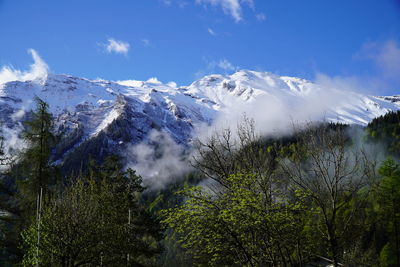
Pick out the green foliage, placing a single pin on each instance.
(386, 130)
(268, 202)
(34, 169)
(66, 141)
(96, 221)
(387, 256)
(334, 177)
(96, 148)
(70, 232)
(239, 226)
(31, 171)
(388, 210)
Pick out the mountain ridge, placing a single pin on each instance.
(126, 112)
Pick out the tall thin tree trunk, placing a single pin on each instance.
(396, 232)
(38, 214)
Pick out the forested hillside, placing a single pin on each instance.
(321, 194)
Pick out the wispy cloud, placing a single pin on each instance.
(166, 2)
(233, 8)
(224, 64)
(386, 56)
(216, 66)
(212, 32)
(146, 42)
(116, 46)
(180, 3)
(261, 17)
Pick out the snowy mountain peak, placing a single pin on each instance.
(127, 111)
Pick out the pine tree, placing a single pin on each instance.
(30, 172)
(388, 197)
(35, 168)
(96, 221)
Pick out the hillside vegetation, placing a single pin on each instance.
(323, 194)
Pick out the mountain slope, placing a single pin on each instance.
(104, 117)
(333, 103)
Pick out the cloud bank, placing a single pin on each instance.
(276, 115)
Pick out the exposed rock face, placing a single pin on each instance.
(97, 117)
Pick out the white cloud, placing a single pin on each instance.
(153, 80)
(117, 46)
(14, 142)
(261, 17)
(38, 70)
(212, 32)
(158, 160)
(230, 7)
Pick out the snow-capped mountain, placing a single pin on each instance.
(125, 112)
(331, 104)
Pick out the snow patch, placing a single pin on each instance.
(109, 118)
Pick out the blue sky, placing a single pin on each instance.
(181, 40)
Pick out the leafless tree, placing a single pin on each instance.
(325, 167)
(227, 153)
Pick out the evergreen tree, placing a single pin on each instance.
(96, 221)
(385, 130)
(25, 177)
(35, 165)
(388, 197)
